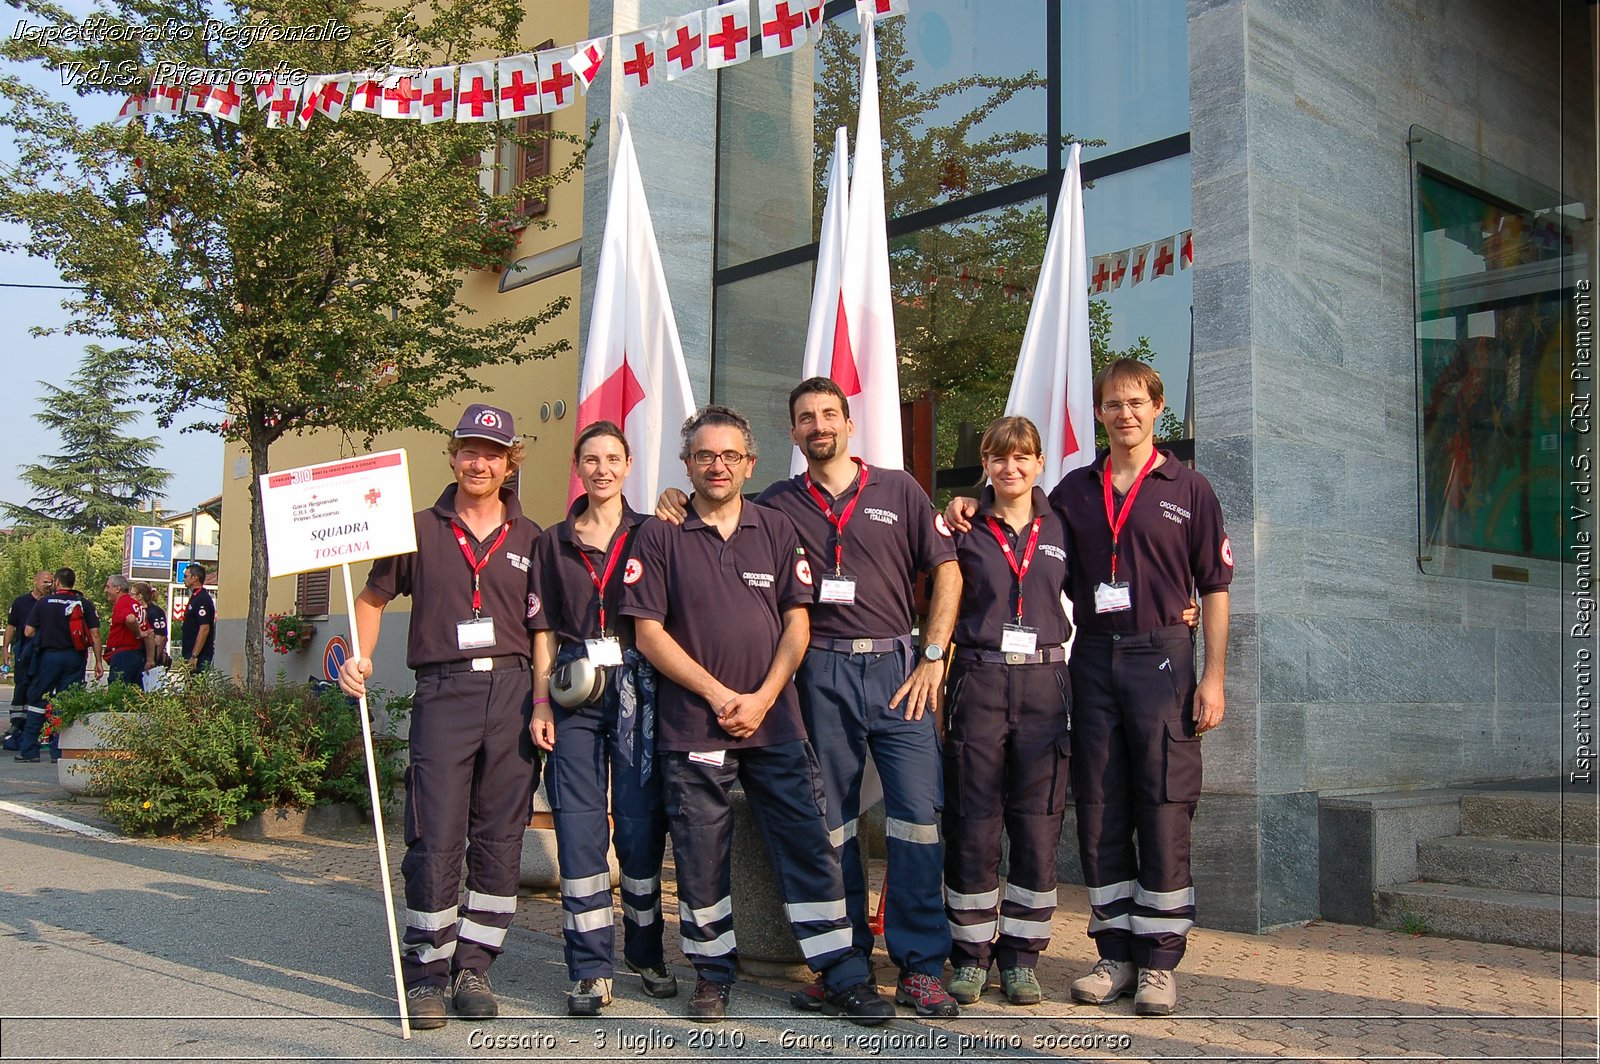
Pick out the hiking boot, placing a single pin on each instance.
(967, 983)
(709, 1003)
(1108, 981)
(472, 997)
(1021, 985)
(587, 996)
(923, 993)
(425, 1006)
(812, 998)
(860, 1004)
(1158, 993)
(659, 982)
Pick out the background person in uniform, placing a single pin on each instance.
(469, 785)
(604, 750)
(199, 620)
(126, 646)
(157, 656)
(19, 654)
(720, 610)
(58, 663)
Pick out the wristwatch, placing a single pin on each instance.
(932, 652)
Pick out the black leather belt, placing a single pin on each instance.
(861, 646)
(1043, 656)
(449, 668)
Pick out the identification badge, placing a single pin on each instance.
(708, 757)
(1112, 598)
(475, 635)
(606, 651)
(1019, 639)
(837, 591)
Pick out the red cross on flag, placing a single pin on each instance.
(686, 44)
(367, 93)
(1054, 380)
(332, 95)
(438, 100)
(263, 92)
(1139, 264)
(223, 102)
(308, 103)
(518, 95)
(1163, 257)
(400, 97)
(639, 61)
(284, 106)
(164, 99)
(633, 368)
(195, 98)
(1186, 249)
(727, 34)
(586, 60)
(475, 97)
(131, 107)
(814, 18)
(783, 26)
(1100, 274)
(557, 87)
(827, 304)
(876, 9)
(1119, 267)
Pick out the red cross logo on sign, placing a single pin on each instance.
(372, 497)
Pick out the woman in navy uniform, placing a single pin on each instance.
(604, 748)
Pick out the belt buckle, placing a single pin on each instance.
(1014, 657)
(860, 646)
(482, 664)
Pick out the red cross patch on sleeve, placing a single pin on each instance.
(633, 572)
(1227, 552)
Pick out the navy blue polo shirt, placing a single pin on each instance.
(989, 588)
(892, 535)
(1173, 542)
(438, 576)
(202, 609)
(156, 618)
(723, 602)
(48, 619)
(566, 601)
(21, 607)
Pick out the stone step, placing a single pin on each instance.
(1533, 866)
(1537, 921)
(1529, 815)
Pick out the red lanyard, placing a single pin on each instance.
(478, 563)
(1019, 571)
(600, 582)
(1115, 520)
(839, 522)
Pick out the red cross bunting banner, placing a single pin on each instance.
(1100, 274)
(827, 305)
(165, 100)
(783, 26)
(333, 95)
(633, 368)
(814, 18)
(284, 106)
(557, 87)
(727, 34)
(1163, 257)
(195, 97)
(438, 99)
(1119, 267)
(640, 63)
(223, 102)
(1141, 263)
(1186, 249)
(132, 107)
(308, 104)
(876, 9)
(475, 97)
(686, 44)
(399, 97)
(367, 93)
(518, 93)
(586, 60)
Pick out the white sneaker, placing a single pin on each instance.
(588, 996)
(1108, 981)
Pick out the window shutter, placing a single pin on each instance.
(311, 593)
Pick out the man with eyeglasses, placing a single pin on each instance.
(720, 608)
(1145, 531)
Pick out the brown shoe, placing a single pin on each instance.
(425, 1007)
(710, 1001)
(1158, 993)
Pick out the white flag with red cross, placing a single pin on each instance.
(865, 362)
(783, 26)
(558, 89)
(686, 44)
(1186, 249)
(366, 95)
(332, 92)
(1163, 258)
(827, 306)
(814, 18)
(308, 103)
(132, 107)
(877, 9)
(587, 58)
(1100, 274)
(518, 86)
(640, 64)
(165, 99)
(284, 106)
(727, 34)
(475, 99)
(1119, 267)
(1054, 380)
(1139, 265)
(400, 97)
(633, 368)
(437, 101)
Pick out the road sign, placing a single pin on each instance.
(333, 656)
(147, 552)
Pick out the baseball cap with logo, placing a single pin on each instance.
(485, 422)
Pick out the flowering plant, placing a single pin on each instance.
(289, 632)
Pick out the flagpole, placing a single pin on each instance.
(377, 818)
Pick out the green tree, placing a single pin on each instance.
(101, 474)
(91, 558)
(268, 281)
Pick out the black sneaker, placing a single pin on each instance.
(425, 1006)
(811, 998)
(860, 1004)
(710, 1001)
(659, 982)
(472, 997)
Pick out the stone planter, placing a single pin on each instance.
(81, 743)
(288, 822)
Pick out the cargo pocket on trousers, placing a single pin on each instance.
(1182, 749)
(1060, 773)
(411, 807)
(953, 749)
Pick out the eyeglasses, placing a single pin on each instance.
(705, 459)
(1117, 406)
